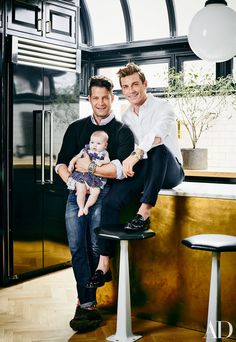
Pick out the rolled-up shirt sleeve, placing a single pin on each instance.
(57, 167)
(119, 168)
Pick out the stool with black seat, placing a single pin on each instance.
(123, 323)
(215, 243)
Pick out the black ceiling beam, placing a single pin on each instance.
(172, 17)
(85, 24)
(128, 20)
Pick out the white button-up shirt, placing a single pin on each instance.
(156, 118)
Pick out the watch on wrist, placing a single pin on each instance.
(138, 155)
(92, 167)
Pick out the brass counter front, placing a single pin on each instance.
(170, 283)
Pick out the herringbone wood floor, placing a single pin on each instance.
(39, 310)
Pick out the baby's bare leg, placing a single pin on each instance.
(81, 191)
(94, 193)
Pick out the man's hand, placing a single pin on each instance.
(83, 163)
(71, 167)
(128, 165)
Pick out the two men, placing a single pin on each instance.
(155, 163)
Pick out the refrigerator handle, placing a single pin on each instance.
(51, 146)
(43, 148)
(39, 114)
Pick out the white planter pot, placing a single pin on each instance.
(195, 159)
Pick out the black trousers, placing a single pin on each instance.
(161, 170)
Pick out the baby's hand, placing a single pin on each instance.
(100, 162)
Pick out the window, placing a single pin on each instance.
(156, 74)
(234, 68)
(107, 21)
(206, 71)
(218, 135)
(185, 11)
(150, 19)
(231, 4)
(111, 72)
(85, 108)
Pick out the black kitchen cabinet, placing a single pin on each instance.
(54, 21)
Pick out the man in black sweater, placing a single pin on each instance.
(82, 239)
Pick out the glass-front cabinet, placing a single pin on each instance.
(51, 20)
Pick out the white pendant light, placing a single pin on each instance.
(212, 32)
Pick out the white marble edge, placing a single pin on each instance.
(197, 189)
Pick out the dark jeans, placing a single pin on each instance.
(161, 170)
(83, 243)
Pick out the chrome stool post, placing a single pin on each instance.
(123, 323)
(215, 243)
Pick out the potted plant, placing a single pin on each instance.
(198, 106)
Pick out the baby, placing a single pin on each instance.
(87, 182)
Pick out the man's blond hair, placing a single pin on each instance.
(130, 69)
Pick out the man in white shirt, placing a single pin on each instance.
(155, 163)
(153, 123)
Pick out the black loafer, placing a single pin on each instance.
(85, 320)
(84, 325)
(99, 279)
(138, 224)
(85, 314)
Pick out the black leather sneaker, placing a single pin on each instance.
(84, 325)
(138, 224)
(85, 320)
(99, 279)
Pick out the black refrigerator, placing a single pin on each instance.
(42, 102)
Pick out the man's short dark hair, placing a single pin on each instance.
(100, 81)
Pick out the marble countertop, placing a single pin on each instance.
(196, 189)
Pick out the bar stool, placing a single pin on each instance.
(123, 322)
(215, 243)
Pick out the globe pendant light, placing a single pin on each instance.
(212, 32)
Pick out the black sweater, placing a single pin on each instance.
(77, 135)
